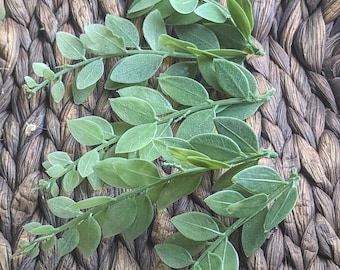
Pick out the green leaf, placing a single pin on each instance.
(143, 218)
(101, 41)
(240, 111)
(234, 79)
(123, 28)
(55, 171)
(127, 71)
(281, 208)
(190, 245)
(227, 252)
(85, 131)
(34, 252)
(105, 126)
(199, 35)
(220, 201)
(259, 179)
(47, 244)
(182, 19)
(30, 82)
(183, 90)
(136, 138)
(138, 8)
(58, 91)
(165, 8)
(196, 226)
(248, 206)
(216, 146)
(92, 202)
(172, 44)
(184, 7)
(70, 181)
(208, 163)
(60, 207)
(238, 131)
(90, 74)
(174, 256)
(212, 12)
(247, 8)
(42, 70)
(108, 174)
(207, 69)
(111, 85)
(197, 123)
(178, 187)
(153, 27)
(253, 233)
(68, 242)
(119, 217)
(239, 17)
(42, 230)
(157, 101)
(185, 69)
(89, 236)
(132, 110)
(80, 95)
(224, 181)
(211, 261)
(70, 46)
(136, 172)
(95, 182)
(182, 154)
(59, 158)
(86, 162)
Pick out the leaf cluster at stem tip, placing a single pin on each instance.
(191, 123)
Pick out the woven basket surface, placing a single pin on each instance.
(301, 123)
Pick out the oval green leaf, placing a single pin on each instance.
(212, 12)
(248, 206)
(184, 7)
(220, 201)
(68, 242)
(60, 207)
(90, 74)
(86, 162)
(153, 27)
(89, 236)
(174, 256)
(70, 46)
(85, 131)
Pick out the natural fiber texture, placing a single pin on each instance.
(301, 123)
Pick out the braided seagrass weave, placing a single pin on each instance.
(301, 123)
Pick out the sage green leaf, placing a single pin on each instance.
(182, 154)
(184, 7)
(95, 182)
(143, 218)
(89, 236)
(240, 111)
(281, 208)
(105, 125)
(211, 262)
(107, 173)
(190, 245)
(165, 8)
(199, 35)
(142, 5)
(172, 44)
(177, 187)
(196, 226)
(208, 163)
(92, 202)
(58, 91)
(224, 181)
(239, 17)
(253, 233)
(136, 138)
(228, 35)
(85, 131)
(70, 46)
(247, 8)
(216, 146)
(90, 74)
(185, 69)
(207, 69)
(150, 152)
(60, 207)
(42, 230)
(127, 71)
(70, 181)
(220, 201)
(153, 27)
(30, 82)
(157, 101)
(234, 79)
(86, 163)
(183, 90)
(197, 123)
(119, 217)
(238, 131)
(111, 85)
(259, 179)
(56, 171)
(228, 53)
(60, 158)
(173, 255)
(248, 206)
(136, 172)
(228, 253)
(68, 242)
(42, 70)
(133, 110)
(123, 28)
(80, 95)
(154, 192)
(49, 243)
(34, 252)
(212, 12)
(182, 19)
(100, 40)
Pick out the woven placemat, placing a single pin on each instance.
(301, 123)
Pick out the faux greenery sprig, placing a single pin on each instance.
(210, 44)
